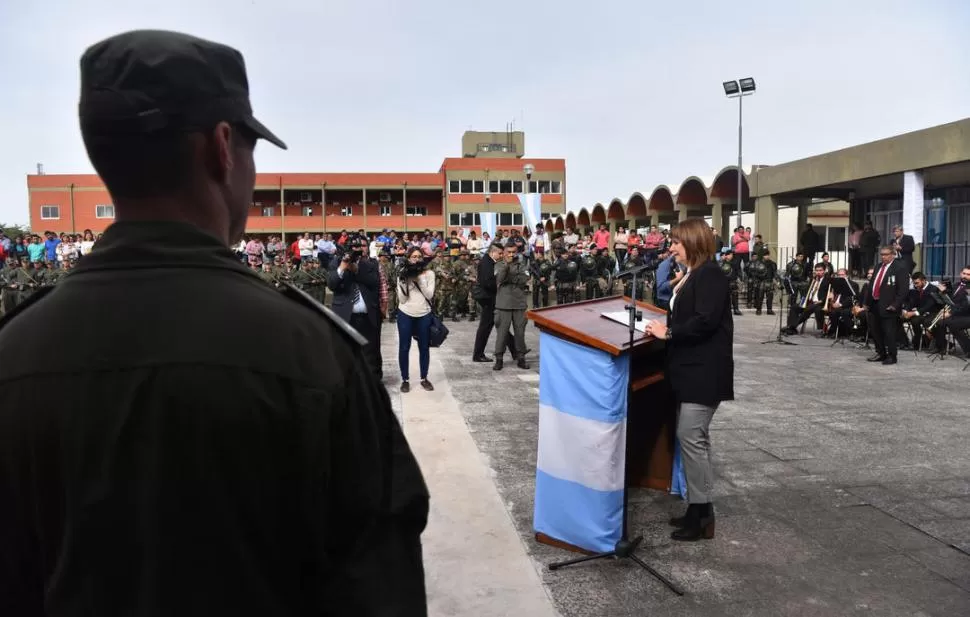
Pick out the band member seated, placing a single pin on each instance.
(920, 306)
(812, 304)
(890, 284)
(842, 296)
(956, 319)
(860, 311)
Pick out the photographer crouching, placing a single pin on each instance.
(415, 290)
(355, 282)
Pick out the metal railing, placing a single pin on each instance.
(944, 260)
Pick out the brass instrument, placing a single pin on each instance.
(811, 292)
(828, 298)
(942, 314)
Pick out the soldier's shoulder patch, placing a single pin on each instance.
(23, 306)
(298, 295)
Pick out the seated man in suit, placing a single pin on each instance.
(959, 318)
(844, 294)
(921, 306)
(355, 282)
(818, 289)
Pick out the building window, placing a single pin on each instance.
(516, 186)
(493, 186)
(104, 211)
(385, 211)
(543, 186)
(545, 216)
(466, 186)
(470, 218)
(555, 187)
(50, 212)
(454, 219)
(347, 211)
(479, 186)
(454, 186)
(517, 219)
(505, 186)
(267, 210)
(417, 210)
(533, 186)
(505, 218)
(307, 211)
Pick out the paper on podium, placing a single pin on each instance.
(623, 317)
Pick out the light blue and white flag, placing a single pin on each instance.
(488, 220)
(581, 463)
(531, 207)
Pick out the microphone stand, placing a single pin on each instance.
(626, 548)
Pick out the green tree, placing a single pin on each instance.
(12, 231)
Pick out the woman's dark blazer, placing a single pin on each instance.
(700, 354)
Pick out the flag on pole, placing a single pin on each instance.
(488, 223)
(531, 207)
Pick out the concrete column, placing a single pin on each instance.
(655, 220)
(612, 227)
(802, 222)
(364, 194)
(717, 217)
(766, 221)
(682, 215)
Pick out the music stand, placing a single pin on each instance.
(779, 339)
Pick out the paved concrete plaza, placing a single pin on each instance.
(843, 488)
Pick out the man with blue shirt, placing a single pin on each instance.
(665, 283)
(50, 247)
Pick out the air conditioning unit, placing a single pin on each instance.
(385, 198)
(305, 198)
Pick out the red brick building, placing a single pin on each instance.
(487, 177)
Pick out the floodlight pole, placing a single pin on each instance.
(740, 117)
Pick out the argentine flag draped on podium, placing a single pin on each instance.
(580, 470)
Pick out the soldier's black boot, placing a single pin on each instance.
(522, 363)
(498, 363)
(698, 523)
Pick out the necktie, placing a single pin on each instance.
(357, 297)
(876, 284)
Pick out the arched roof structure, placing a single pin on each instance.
(725, 185)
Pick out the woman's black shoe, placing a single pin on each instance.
(698, 523)
(405, 386)
(681, 521)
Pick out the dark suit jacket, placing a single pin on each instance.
(486, 278)
(906, 246)
(367, 278)
(926, 302)
(894, 287)
(700, 353)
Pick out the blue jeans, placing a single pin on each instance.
(420, 327)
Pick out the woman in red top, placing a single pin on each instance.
(740, 243)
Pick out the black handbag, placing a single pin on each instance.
(437, 331)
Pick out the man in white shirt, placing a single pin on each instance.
(570, 239)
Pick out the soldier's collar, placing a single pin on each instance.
(128, 245)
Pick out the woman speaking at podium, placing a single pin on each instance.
(699, 366)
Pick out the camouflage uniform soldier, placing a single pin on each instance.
(541, 271)
(471, 275)
(268, 275)
(318, 282)
(797, 276)
(300, 277)
(607, 269)
(444, 285)
(389, 266)
(634, 260)
(11, 287)
(731, 272)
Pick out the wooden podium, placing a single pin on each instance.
(651, 410)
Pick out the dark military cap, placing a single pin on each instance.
(153, 81)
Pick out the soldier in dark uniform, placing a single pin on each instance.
(762, 282)
(566, 273)
(796, 279)
(590, 271)
(541, 271)
(633, 260)
(201, 459)
(730, 270)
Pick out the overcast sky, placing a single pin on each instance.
(628, 92)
